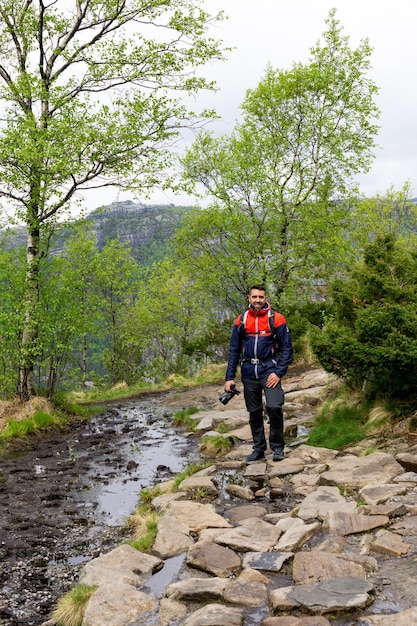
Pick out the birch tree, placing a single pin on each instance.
(89, 97)
(280, 186)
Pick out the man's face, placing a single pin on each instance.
(257, 299)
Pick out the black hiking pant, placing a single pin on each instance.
(253, 389)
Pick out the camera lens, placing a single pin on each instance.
(224, 399)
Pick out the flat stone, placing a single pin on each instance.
(197, 589)
(162, 502)
(276, 517)
(321, 501)
(255, 470)
(353, 472)
(172, 537)
(123, 565)
(252, 575)
(306, 455)
(407, 477)
(390, 510)
(408, 461)
(406, 526)
(403, 618)
(296, 537)
(266, 561)
(303, 484)
(215, 615)
(207, 420)
(281, 600)
(232, 418)
(308, 379)
(253, 535)
(117, 604)
(243, 433)
(390, 543)
(316, 620)
(197, 483)
(288, 522)
(276, 483)
(240, 452)
(239, 513)
(211, 557)
(310, 567)
(378, 494)
(333, 544)
(246, 593)
(335, 594)
(206, 471)
(171, 611)
(309, 396)
(237, 491)
(351, 523)
(196, 515)
(285, 468)
(369, 563)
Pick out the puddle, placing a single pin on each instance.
(150, 448)
(157, 584)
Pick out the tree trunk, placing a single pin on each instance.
(28, 347)
(84, 357)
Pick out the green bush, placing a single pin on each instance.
(371, 340)
(300, 319)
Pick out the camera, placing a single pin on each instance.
(228, 395)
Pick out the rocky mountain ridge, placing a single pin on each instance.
(140, 225)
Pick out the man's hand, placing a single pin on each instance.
(272, 380)
(228, 384)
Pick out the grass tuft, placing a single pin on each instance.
(145, 527)
(183, 419)
(70, 608)
(337, 427)
(189, 471)
(215, 445)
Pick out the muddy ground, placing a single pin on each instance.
(65, 496)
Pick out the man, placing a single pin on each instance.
(265, 352)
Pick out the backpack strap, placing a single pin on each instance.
(271, 320)
(242, 326)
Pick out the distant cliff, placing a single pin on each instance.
(137, 224)
(145, 227)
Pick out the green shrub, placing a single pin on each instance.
(371, 340)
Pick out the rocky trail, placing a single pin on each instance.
(320, 538)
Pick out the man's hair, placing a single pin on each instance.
(259, 287)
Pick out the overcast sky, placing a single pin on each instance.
(282, 32)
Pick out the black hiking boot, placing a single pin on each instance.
(256, 455)
(278, 455)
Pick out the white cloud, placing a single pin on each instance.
(282, 32)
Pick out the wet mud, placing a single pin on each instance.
(65, 496)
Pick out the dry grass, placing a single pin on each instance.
(70, 608)
(18, 410)
(379, 421)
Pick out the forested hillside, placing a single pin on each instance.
(146, 228)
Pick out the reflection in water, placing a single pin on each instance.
(157, 584)
(147, 441)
